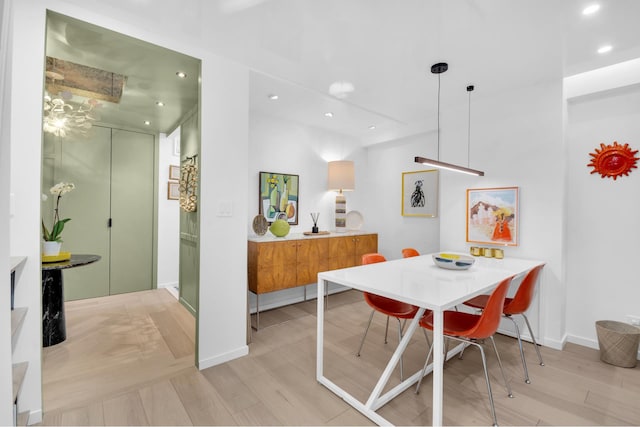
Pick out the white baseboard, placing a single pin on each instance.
(293, 299)
(588, 342)
(35, 417)
(167, 285)
(222, 358)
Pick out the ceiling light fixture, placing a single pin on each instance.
(273, 97)
(341, 89)
(591, 9)
(181, 74)
(147, 122)
(605, 49)
(372, 127)
(160, 104)
(438, 69)
(328, 114)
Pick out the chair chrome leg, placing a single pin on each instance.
(533, 338)
(365, 333)
(400, 339)
(426, 336)
(486, 377)
(506, 383)
(386, 330)
(524, 362)
(424, 369)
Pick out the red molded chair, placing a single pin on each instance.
(409, 252)
(468, 328)
(387, 306)
(517, 305)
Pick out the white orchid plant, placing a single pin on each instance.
(57, 190)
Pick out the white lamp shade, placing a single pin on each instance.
(341, 176)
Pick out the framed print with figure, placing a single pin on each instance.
(492, 216)
(420, 193)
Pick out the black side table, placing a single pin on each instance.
(54, 329)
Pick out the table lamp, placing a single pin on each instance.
(341, 178)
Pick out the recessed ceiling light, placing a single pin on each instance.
(372, 127)
(328, 114)
(591, 9)
(273, 96)
(181, 74)
(341, 89)
(605, 49)
(160, 104)
(147, 122)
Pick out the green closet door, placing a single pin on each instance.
(132, 197)
(85, 162)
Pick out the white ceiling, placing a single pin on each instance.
(297, 48)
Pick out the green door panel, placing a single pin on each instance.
(85, 162)
(132, 205)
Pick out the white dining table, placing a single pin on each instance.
(420, 282)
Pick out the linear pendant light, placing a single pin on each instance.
(438, 69)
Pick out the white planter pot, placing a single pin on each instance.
(51, 248)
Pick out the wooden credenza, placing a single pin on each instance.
(276, 263)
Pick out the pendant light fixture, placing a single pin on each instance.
(438, 69)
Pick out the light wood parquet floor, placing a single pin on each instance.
(128, 360)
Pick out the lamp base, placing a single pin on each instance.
(341, 213)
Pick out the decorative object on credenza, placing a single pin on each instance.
(280, 228)
(612, 161)
(189, 184)
(354, 220)
(341, 178)
(52, 240)
(314, 217)
(420, 193)
(492, 216)
(279, 196)
(260, 225)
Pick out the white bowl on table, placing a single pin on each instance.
(451, 261)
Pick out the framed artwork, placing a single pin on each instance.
(174, 172)
(279, 196)
(173, 190)
(420, 193)
(492, 216)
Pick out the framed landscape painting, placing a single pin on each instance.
(279, 196)
(420, 193)
(492, 216)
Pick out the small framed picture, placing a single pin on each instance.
(173, 190)
(174, 172)
(420, 193)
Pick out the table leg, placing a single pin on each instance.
(436, 419)
(54, 329)
(320, 333)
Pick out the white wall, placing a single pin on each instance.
(168, 215)
(603, 226)
(6, 408)
(517, 140)
(387, 162)
(282, 146)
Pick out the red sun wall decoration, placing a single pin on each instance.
(612, 161)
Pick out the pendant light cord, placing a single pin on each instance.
(469, 90)
(438, 118)
(469, 131)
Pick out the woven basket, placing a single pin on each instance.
(618, 343)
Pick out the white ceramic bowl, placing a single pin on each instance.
(453, 261)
